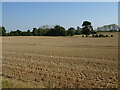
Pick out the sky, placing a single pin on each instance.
(119, 13)
(27, 15)
(0, 14)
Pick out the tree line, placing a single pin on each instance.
(57, 30)
(108, 28)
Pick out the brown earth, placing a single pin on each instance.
(62, 62)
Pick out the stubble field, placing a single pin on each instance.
(62, 62)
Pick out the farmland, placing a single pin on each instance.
(62, 62)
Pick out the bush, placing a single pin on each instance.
(93, 35)
(82, 35)
(96, 35)
(101, 35)
(111, 35)
(106, 36)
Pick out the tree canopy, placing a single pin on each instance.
(71, 31)
(87, 28)
(57, 30)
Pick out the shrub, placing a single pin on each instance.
(111, 35)
(96, 35)
(101, 35)
(82, 35)
(106, 35)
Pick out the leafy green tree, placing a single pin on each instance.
(108, 28)
(71, 31)
(85, 31)
(13, 33)
(35, 32)
(78, 31)
(0, 31)
(24, 33)
(29, 33)
(119, 30)
(3, 31)
(18, 32)
(42, 31)
(87, 28)
(39, 32)
(57, 31)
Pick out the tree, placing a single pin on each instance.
(78, 31)
(16, 33)
(13, 33)
(0, 31)
(39, 32)
(87, 28)
(19, 33)
(34, 32)
(57, 31)
(3, 31)
(71, 31)
(29, 33)
(42, 31)
(85, 31)
(108, 28)
(119, 30)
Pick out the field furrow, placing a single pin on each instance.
(62, 62)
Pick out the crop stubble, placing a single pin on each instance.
(62, 62)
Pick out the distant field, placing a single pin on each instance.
(62, 62)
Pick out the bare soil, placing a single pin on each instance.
(61, 62)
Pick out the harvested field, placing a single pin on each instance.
(62, 62)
